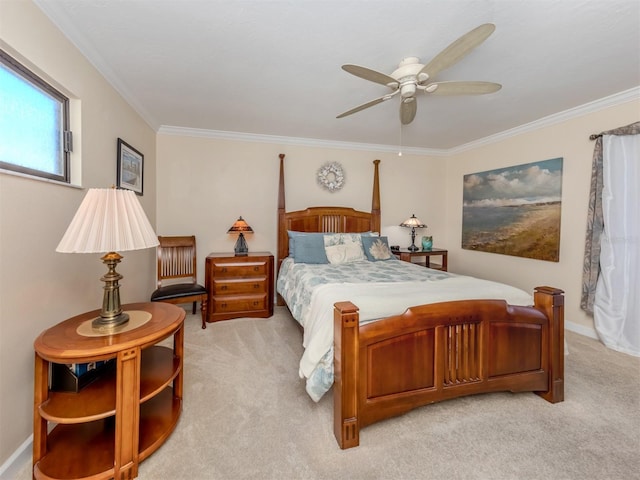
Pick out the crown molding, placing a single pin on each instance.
(295, 141)
(71, 32)
(610, 101)
(595, 106)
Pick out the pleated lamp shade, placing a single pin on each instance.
(108, 220)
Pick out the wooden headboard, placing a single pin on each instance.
(325, 219)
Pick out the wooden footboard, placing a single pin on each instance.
(441, 351)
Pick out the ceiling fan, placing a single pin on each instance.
(412, 77)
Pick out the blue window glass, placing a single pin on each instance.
(33, 122)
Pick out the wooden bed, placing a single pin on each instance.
(430, 352)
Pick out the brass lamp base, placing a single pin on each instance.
(104, 324)
(111, 315)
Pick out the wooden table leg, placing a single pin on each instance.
(40, 395)
(127, 414)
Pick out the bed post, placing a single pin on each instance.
(283, 244)
(551, 301)
(346, 427)
(375, 201)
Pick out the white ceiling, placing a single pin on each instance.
(267, 67)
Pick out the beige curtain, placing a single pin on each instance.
(595, 223)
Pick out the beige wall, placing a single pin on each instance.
(569, 140)
(204, 184)
(39, 287)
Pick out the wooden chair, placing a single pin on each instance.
(177, 263)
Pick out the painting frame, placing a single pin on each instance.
(514, 210)
(130, 168)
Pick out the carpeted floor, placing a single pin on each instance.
(247, 416)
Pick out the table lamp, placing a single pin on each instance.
(413, 223)
(241, 226)
(109, 220)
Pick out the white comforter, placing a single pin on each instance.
(375, 299)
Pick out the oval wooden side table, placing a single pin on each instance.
(107, 428)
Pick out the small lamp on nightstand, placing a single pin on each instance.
(413, 223)
(241, 226)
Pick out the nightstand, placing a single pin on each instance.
(408, 256)
(239, 286)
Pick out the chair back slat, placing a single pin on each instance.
(177, 259)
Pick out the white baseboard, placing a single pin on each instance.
(581, 329)
(22, 456)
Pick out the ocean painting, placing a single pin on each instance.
(514, 210)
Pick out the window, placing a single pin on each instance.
(34, 124)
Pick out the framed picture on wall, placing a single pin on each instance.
(130, 167)
(514, 210)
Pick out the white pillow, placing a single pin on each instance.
(343, 248)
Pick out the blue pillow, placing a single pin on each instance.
(309, 249)
(292, 239)
(377, 248)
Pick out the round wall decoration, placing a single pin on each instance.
(331, 176)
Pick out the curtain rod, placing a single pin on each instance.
(631, 129)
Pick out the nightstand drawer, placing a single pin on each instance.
(233, 287)
(235, 270)
(244, 303)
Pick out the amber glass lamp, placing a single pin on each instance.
(240, 226)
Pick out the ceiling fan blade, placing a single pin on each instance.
(408, 110)
(364, 105)
(371, 75)
(458, 49)
(369, 104)
(462, 88)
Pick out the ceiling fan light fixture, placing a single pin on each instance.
(408, 90)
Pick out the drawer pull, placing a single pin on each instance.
(224, 269)
(256, 286)
(223, 287)
(256, 269)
